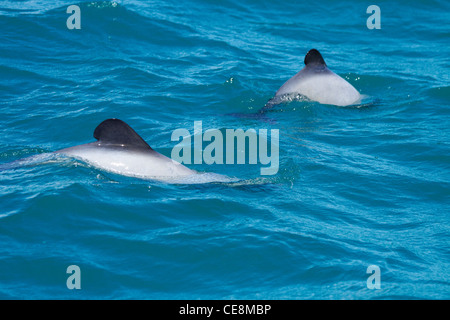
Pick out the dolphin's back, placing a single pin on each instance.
(316, 82)
(121, 150)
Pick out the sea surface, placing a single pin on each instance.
(356, 186)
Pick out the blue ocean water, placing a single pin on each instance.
(356, 186)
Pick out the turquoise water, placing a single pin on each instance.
(356, 186)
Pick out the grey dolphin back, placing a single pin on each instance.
(118, 133)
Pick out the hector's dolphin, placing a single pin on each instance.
(121, 150)
(316, 82)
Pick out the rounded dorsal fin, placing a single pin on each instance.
(117, 132)
(313, 57)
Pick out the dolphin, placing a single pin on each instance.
(119, 149)
(318, 83)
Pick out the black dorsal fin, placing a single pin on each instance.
(117, 132)
(313, 57)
